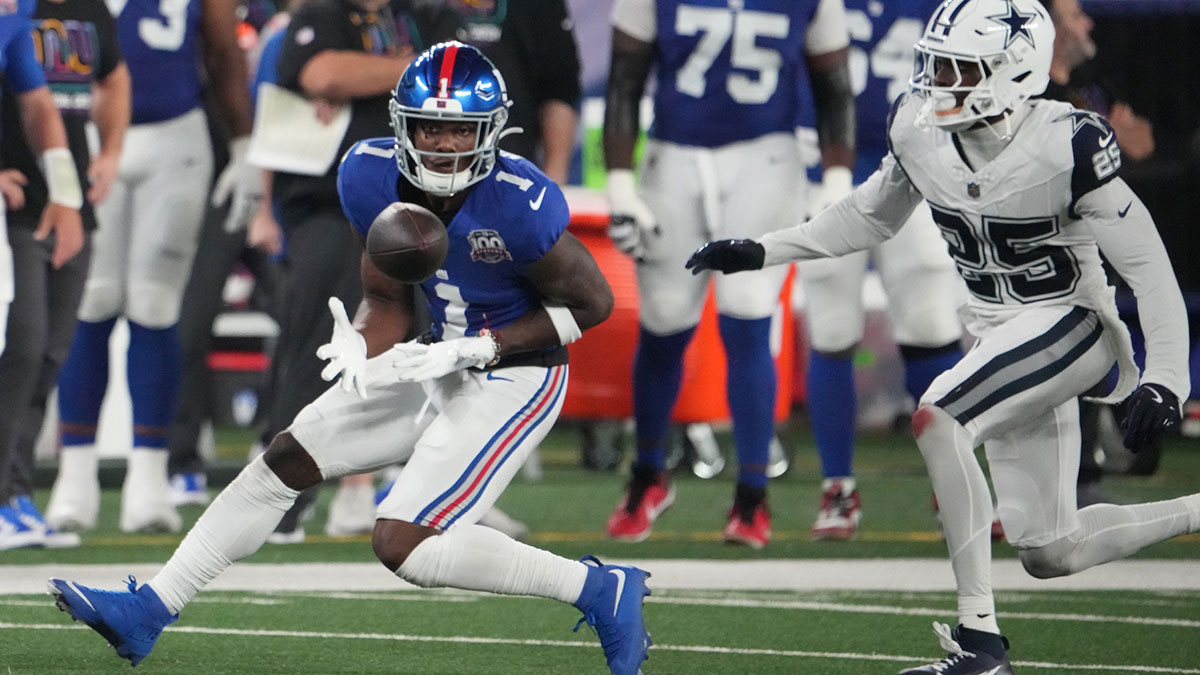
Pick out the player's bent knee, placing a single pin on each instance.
(102, 300)
(395, 540)
(291, 462)
(1049, 561)
(154, 305)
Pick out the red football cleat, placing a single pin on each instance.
(754, 531)
(841, 510)
(648, 494)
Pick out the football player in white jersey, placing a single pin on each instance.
(514, 289)
(722, 160)
(1027, 194)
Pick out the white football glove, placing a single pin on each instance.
(838, 181)
(415, 362)
(241, 180)
(346, 352)
(632, 222)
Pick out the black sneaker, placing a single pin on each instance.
(971, 652)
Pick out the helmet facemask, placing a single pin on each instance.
(469, 167)
(988, 68)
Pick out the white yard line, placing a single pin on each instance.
(906, 574)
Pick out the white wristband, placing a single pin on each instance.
(621, 185)
(564, 323)
(62, 181)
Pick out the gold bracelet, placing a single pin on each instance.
(487, 332)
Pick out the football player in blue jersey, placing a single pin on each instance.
(145, 246)
(923, 290)
(1027, 193)
(722, 159)
(514, 290)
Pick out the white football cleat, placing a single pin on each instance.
(352, 511)
(146, 495)
(75, 497)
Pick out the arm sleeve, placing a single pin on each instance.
(1126, 235)
(827, 32)
(872, 214)
(22, 70)
(636, 19)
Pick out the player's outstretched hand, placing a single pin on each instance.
(1150, 411)
(728, 256)
(346, 352)
(415, 362)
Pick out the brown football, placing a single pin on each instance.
(407, 242)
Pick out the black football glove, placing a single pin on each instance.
(728, 256)
(1150, 411)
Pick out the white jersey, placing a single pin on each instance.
(1023, 228)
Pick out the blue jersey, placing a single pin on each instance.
(18, 61)
(160, 41)
(725, 74)
(508, 222)
(882, 35)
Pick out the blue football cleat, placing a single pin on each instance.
(615, 612)
(130, 621)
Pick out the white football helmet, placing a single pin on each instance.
(1008, 43)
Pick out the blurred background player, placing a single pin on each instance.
(144, 248)
(923, 290)
(59, 228)
(722, 160)
(514, 289)
(76, 44)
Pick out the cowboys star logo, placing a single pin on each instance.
(1017, 25)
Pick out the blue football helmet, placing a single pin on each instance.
(449, 82)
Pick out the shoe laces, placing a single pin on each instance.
(837, 503)
(956, 653)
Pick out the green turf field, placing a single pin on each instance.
(696, 630)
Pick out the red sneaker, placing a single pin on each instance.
(841, 510)
(754, 531)
(646, 497)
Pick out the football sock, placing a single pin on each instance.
(750, 376)
(922, 365)
(82, 382)
(478, 558)
(965, 507)
(832, 409)
(1111, 532)
(153, 370)
(657, 372)
(235, 525)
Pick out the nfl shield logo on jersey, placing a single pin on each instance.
(973, 190)
(487, 246)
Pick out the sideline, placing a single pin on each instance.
(905, 574)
